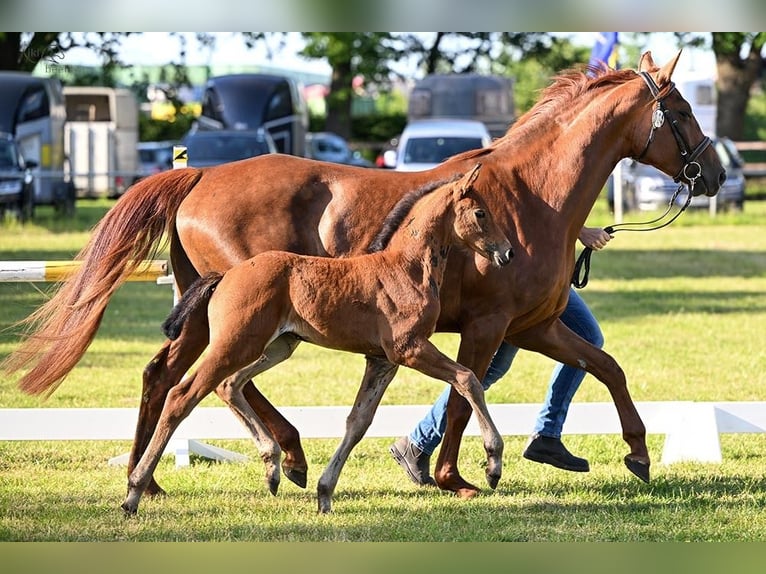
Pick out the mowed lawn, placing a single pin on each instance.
(683, 310)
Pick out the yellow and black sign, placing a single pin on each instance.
(180, 156)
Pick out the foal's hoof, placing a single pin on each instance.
(129, 510)
(299, 477)
(492, 480)
(637, 467)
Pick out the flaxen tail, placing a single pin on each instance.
(60, 331)
(193, 305)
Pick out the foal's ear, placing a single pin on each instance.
(666, 71)
(467, 180)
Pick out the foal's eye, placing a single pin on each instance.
(480, 214)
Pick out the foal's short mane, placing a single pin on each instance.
(396, 216)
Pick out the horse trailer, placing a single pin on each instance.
(488, 99)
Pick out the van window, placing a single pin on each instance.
(34, 105)
(88, 108)
(280, 104)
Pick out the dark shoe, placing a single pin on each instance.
(413, 461)
(552, 451)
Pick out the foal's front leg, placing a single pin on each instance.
(377, 376)
(426, 358)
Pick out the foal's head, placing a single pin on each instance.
(473, 225)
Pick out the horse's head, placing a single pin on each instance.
(474, 225)
(669, 137)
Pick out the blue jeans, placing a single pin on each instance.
(564, 382)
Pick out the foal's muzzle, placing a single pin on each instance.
(501, 258)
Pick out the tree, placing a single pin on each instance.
(350, 55)
(739, 61)
(22, 51)
(739, 65)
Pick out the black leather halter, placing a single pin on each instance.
(689, 172)
(661, 113)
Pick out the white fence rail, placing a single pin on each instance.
(691, 428)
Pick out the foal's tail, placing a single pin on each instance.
(193, 304)
(60, 331)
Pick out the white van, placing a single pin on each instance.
(426, 143)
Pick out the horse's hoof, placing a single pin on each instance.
(637, 467)
(299, 477)
(467, 493)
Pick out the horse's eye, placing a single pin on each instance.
(480, 214)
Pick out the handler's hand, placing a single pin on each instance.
(594, 237)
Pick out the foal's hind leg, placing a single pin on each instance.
(163, 372)
(294, 464)
(377, 376)
(268, 448)
(263, 419)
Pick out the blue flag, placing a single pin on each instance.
(604, 50)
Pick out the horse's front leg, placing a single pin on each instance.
(377, 376)
(561, 344)
(253, 410)
(427, 359)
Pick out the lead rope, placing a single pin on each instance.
(582, 265)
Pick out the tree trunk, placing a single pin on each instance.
(339, 100)
(736, 76)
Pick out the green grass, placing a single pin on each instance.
(683, 311)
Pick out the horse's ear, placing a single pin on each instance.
(646, 63)
(666, 71)
(467, 180)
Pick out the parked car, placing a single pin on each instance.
(646, 188)
(17, 192)
(426, 143)
(213, 147)
(154, 157)
(327, 146)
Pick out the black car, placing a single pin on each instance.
(212, 147)
(17, 192)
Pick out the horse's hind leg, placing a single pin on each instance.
(377, 376)
(179, 402)
(256, 409)
(564, 346)
(163, 372)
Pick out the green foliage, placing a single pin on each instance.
(160, 130)
(755, 118)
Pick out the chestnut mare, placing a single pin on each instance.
(384, 305)
(540, 180)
